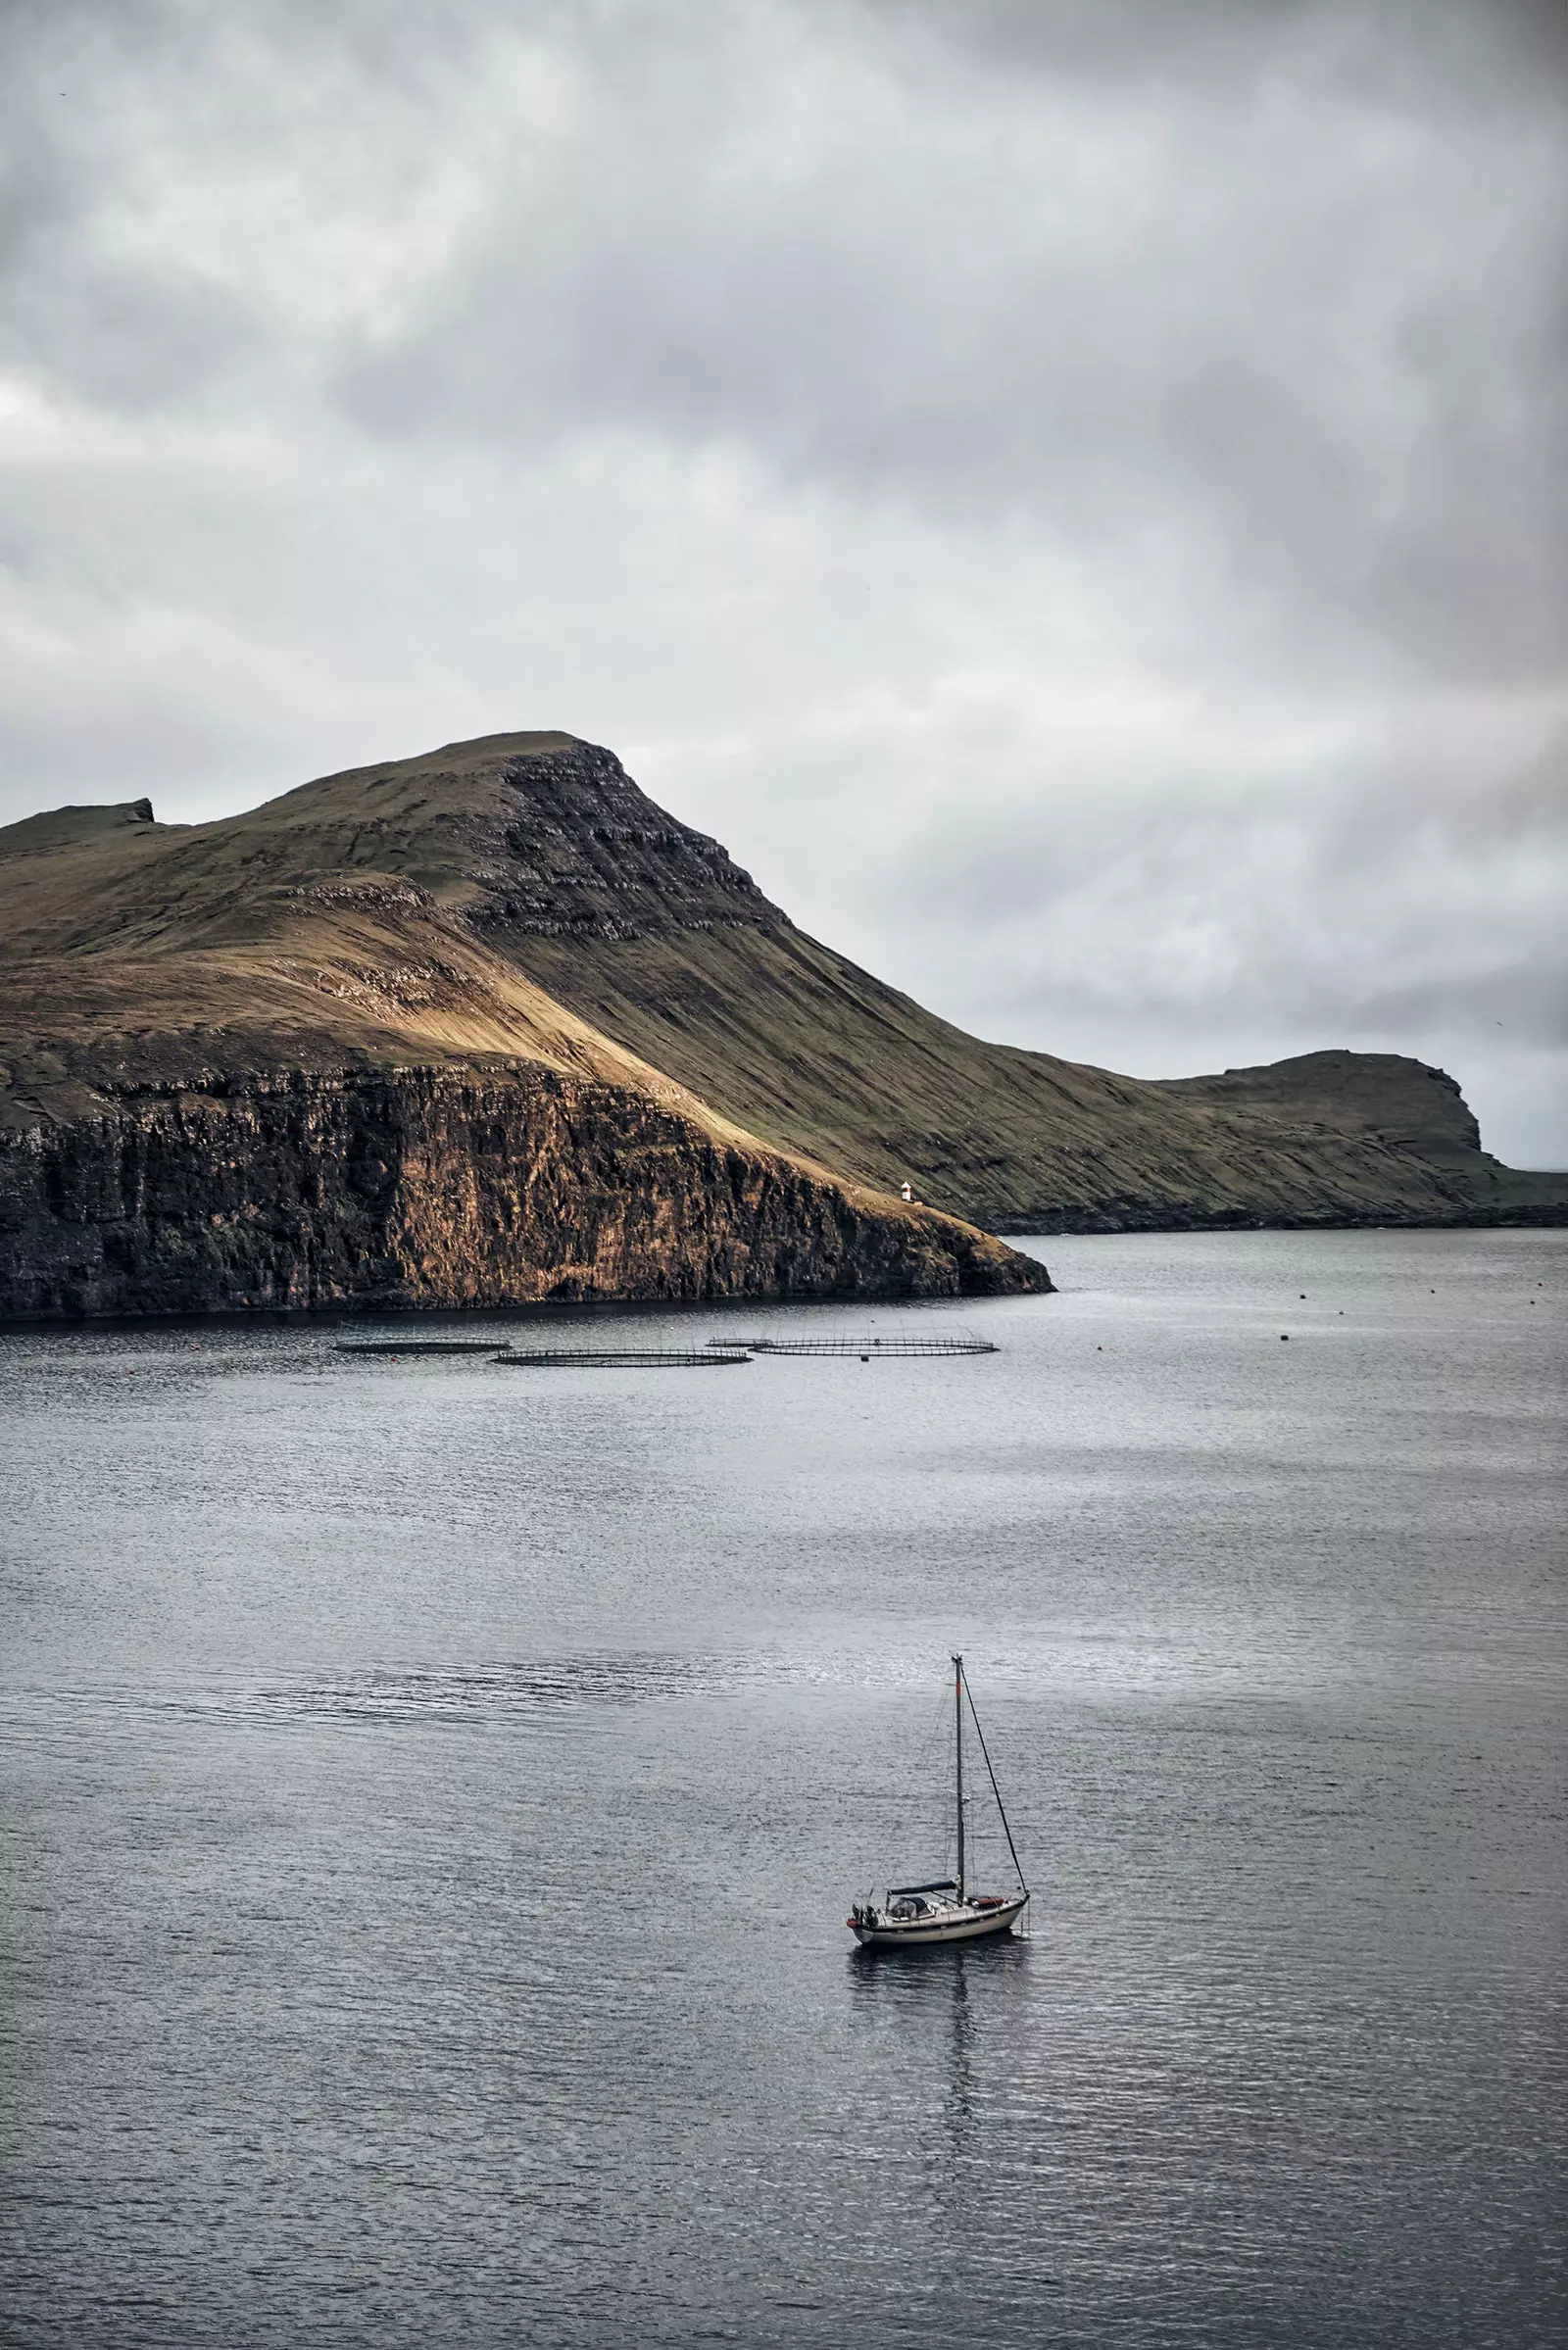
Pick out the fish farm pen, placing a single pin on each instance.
(419, 1346)
(863, 1349)
(622, 1357)
(705, 1359)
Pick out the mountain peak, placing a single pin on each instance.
(580, 850)
(63, 827)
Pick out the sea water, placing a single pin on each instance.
(434, 1795)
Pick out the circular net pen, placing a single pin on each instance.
(870, 1349)
(395, 1347)
(622, 1358)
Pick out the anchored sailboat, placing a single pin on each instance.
(945, 1910)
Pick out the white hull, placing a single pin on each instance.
(959, 1924)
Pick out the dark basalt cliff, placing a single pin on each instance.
(587, 854)
(434, 1187)
(488, 1026)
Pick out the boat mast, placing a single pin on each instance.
(957, 1712)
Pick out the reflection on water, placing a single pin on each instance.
(434, 1800)
(938, 1997)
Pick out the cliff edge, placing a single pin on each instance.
(281, 1061)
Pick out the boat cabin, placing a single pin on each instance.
(909, 1901)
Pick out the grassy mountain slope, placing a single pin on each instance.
(273, 1062)
(519, 898)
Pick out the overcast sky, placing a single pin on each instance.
(1070, 491)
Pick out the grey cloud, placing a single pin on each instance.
(1474, 54)
(1276, 287)
(1313, 332)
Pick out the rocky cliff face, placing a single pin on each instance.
(439, 1187)
(578, 850)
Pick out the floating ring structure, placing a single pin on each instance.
(623, 1358)
(716, 1352)
(419, 1346)
(863, 1349)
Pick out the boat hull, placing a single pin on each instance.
(963, 1926)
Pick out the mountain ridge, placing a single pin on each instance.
(516, 912)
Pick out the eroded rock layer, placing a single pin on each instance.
(440, 1188)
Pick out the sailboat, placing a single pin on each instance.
(945, 1910)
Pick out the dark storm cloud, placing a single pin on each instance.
(1100, 466)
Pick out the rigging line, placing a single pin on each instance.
(991, 1775)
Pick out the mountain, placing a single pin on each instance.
(488, 1025)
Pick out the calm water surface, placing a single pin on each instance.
(434, 1793)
